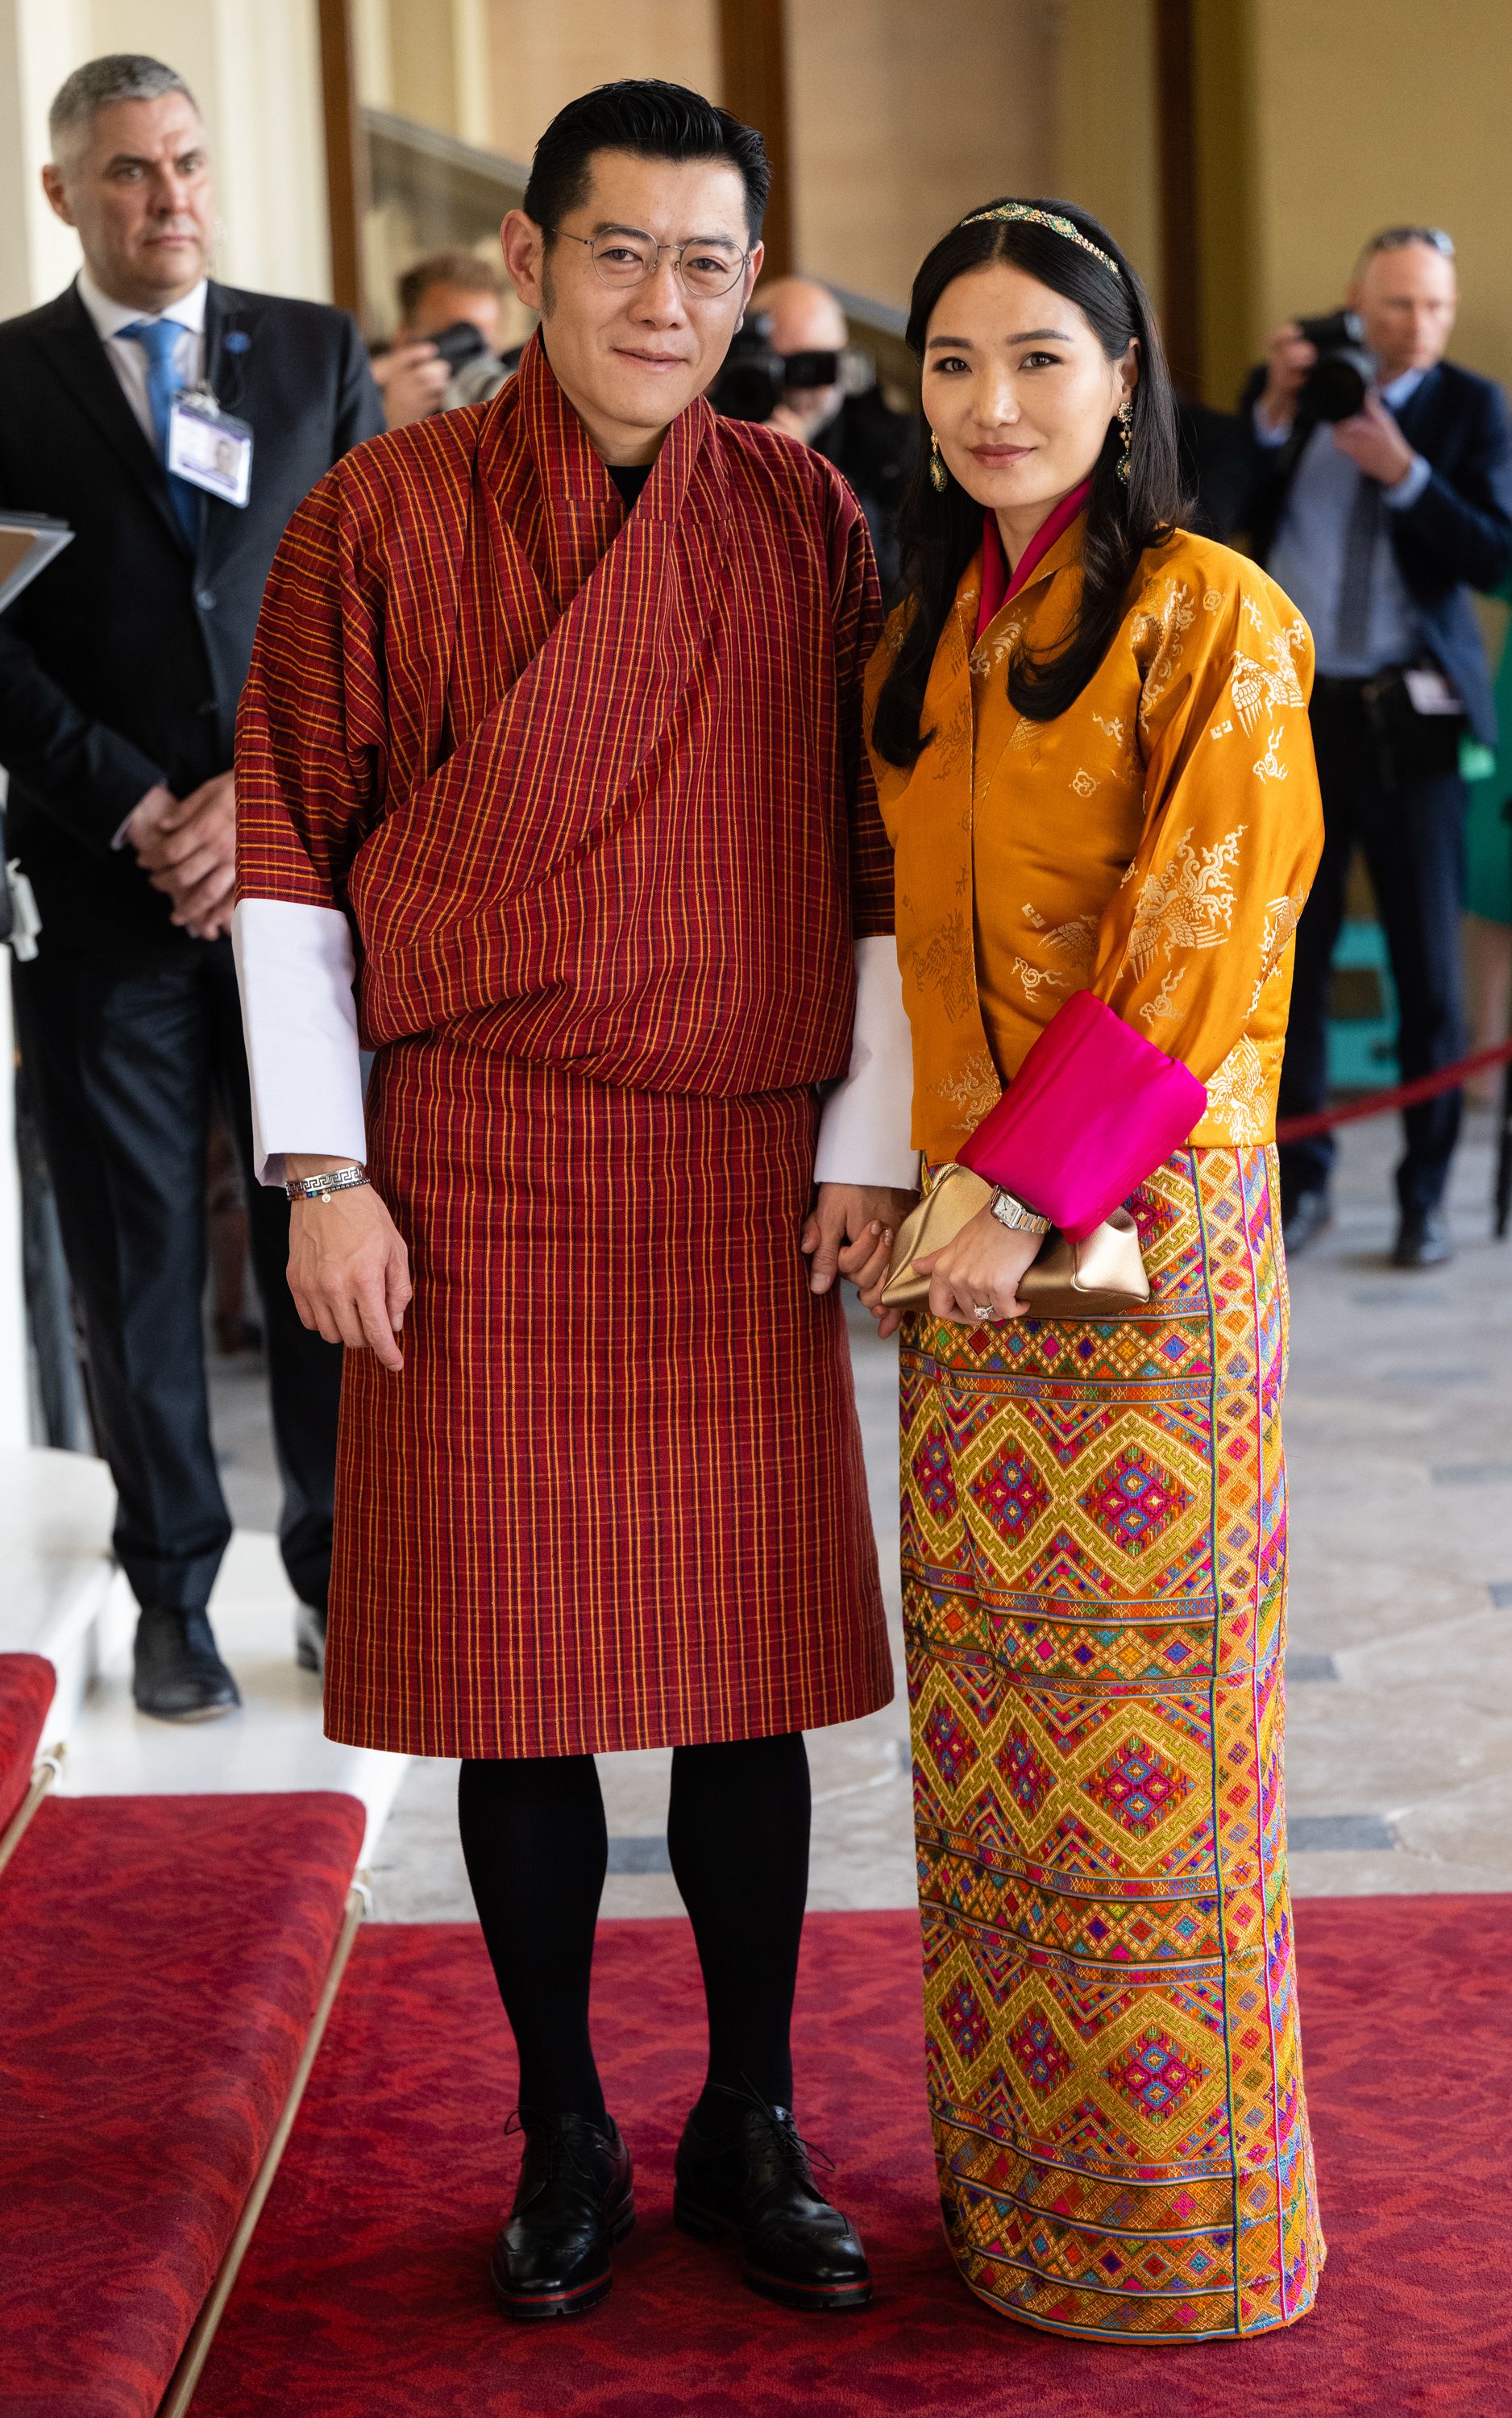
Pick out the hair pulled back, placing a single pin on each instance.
(940, 532)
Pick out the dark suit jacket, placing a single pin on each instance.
(1456, 537)
(122, 664)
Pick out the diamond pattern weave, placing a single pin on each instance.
(1094, 1597)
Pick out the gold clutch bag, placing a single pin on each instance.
(1101, 1277)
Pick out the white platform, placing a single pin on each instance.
(61, 1596)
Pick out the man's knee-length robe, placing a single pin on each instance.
(589, 786)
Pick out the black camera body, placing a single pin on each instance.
(460, 343)
(1343, 373)
(756, 376)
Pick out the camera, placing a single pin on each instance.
(756, 376)
(1344, 372)
(460, 343)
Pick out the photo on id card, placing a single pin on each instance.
(210, 450)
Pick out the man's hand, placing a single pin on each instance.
(1291, 358)
(1373, 439)
(349, 1267)
(188, 847)
(413, 379)
(850, 1232)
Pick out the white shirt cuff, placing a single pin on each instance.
(1267, 436)
(296, 966)
(1408, 486)
(865, 1121)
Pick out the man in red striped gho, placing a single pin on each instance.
(552, 792)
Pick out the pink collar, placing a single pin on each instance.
(996, 587)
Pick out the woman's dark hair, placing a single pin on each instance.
(659, 121)
(940, 532)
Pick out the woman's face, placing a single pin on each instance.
(1017, 389)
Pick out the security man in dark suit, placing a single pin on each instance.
(120, 672)
(1379, 526)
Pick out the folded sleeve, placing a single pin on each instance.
(295, 965)
(863, 1125)
(1204, 916)
(310, 778)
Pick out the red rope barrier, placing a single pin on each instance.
(1405, 1096)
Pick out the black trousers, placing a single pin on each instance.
(1404, 806)
(122, 1053)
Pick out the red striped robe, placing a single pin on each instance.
(592, 789)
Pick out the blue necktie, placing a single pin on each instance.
(159, 340)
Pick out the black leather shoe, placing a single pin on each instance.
(310, 1638)
(756, 2180)
(177, 1674)
(1423, 1240)
(574, 2199)
(1311, 1214)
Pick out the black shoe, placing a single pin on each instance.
(310, 1638)
(1423, 1240)
(573, 2200)
(1311, 1214)
(177, 1675)
(756, 2180)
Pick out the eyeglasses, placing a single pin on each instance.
(1393, 239)
(626, 257)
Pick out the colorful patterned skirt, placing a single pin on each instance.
(1094, 1601)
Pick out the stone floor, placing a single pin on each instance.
(1398, 1428)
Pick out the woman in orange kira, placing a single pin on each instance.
(1090, 730)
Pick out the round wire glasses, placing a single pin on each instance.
(625, 256)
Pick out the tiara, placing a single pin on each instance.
(1050, 219)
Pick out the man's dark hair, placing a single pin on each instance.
(658, 121)
(464, 269)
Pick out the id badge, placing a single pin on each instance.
(209, 449)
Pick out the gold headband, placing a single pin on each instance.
(1050, 219)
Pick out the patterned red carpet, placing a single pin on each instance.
(365, 2290)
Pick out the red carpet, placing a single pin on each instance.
(365, 2290)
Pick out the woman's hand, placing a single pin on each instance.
(974, 1278)
(349, 1267)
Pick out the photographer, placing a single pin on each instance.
(433, 362)
(1382, 496)
(798, 323)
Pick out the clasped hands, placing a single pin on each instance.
(188, 849)
(850, 1232)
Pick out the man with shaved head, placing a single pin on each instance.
(870, 444)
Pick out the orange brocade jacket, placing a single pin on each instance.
(1155, 844)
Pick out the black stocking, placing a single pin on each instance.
(536, 1847)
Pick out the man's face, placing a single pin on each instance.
(629, 358)
(1408, 298)
(442, 306)
(139, 193)
(805, 318)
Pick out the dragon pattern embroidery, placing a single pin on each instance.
(1076, 942)
(1189, 904)
(1236, 1093)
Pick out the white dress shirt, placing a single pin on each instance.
(126, 355)
(1306, 557)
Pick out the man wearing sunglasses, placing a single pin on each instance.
(557, 700)
(1380, 525)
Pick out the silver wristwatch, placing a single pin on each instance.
(1016, 1215)
(320, 1187)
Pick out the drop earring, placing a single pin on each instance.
(1125, 421)
(938, 475)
